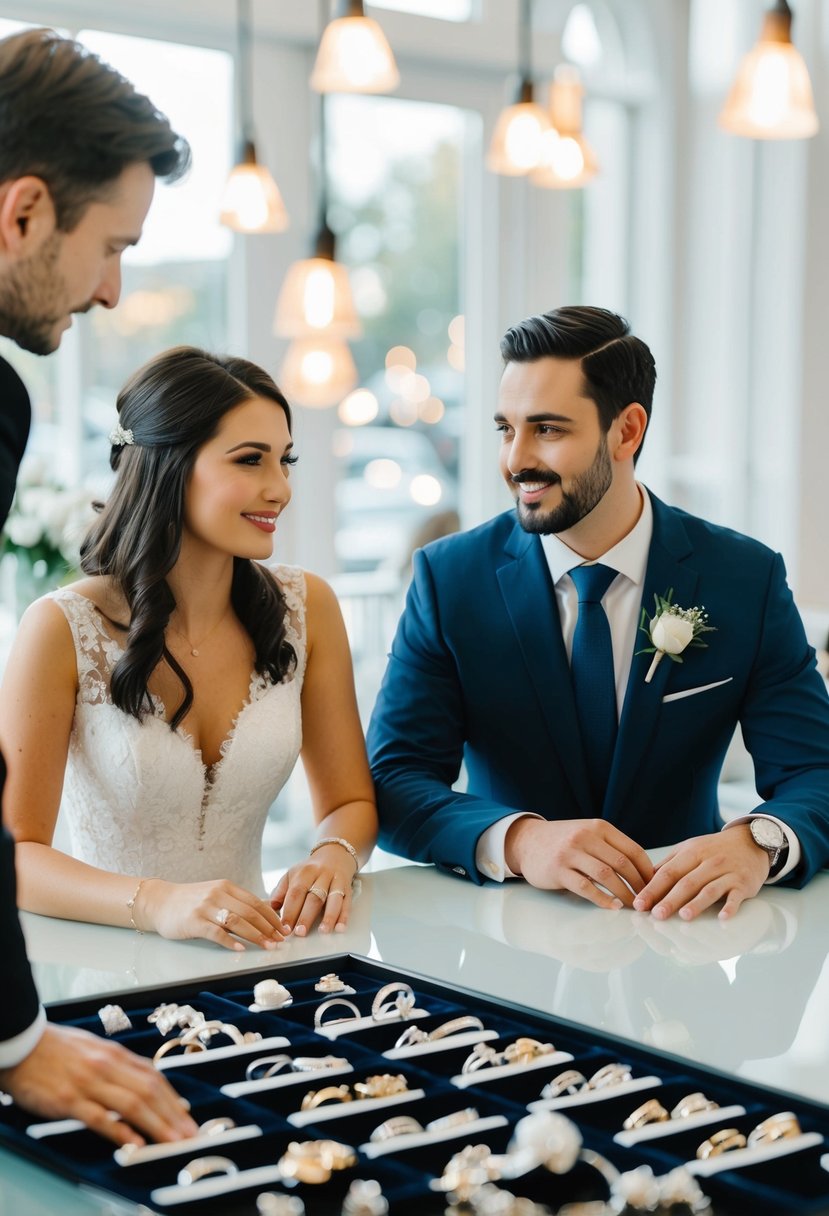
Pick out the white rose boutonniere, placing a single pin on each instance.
(671, 630)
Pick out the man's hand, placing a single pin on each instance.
(579, 855)
(72, 1074)
(699, 872)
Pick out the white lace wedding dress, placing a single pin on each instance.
(137, 797)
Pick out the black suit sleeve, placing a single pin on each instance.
(18, 1013)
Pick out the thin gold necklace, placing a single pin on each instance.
(194, 650)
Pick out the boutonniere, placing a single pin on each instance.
(671, 630)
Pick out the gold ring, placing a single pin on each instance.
(329, 983)
(335, 891)
(781, 1126)
(457, 1119)
(523, 1050)
(454, 1025)
(331, 1093)
(213, 1127)
(382, 1085)
(568, 1082)
(313, 1161)
(200, 1167)
(170, 1044)
(724, 1141)
(693, 1104)
(319, 893)
(400, 1125)
(337, 1000)
(651, 1111)
(610, 1074)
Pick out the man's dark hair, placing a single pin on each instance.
(618, 368)
(75, 122)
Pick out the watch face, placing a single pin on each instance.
(767, 833)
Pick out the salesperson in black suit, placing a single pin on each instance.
(79, 155)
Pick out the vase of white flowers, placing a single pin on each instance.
(43, 532)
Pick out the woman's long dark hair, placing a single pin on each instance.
(173, 406)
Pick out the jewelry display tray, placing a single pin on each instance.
(787, 1184)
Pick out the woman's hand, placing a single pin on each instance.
(319, 886)
(217, 910)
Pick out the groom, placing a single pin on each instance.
(79, 153)
(519, 653)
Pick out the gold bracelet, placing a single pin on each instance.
(345, 844)
(131, 905)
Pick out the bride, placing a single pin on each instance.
(162, 701)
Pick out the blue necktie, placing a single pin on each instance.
(594, 683)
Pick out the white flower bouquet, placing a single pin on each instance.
(45, 527)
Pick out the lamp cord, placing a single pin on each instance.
(245, 61)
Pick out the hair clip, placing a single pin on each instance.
(121, 436)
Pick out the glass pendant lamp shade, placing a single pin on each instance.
(316, 298)
(771, 97)
(251, 201)
(354, 55)
(566, 160)
(317, 372)
(516, 140)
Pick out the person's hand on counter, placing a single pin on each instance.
(76, 1075)
(704, 870)
(589, 857)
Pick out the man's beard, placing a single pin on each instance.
(28, 293)
(586, 492)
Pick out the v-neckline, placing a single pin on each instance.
(210, 772)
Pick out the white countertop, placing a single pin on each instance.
(749, 996)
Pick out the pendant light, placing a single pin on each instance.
(251, 200)
(516, 140)
(354, 55)
(316, 309)
(566, 161)
(771, 97)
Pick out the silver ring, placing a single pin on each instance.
(113, 1019)
(399, 1125)
(383, 1009)
(321, 895)
(267, 1066)
(222, 916)
(481, 1056)
(270, 994)
(337, 1000)
(316, 1063)
(207, 1030)
(200, 1167)
(568, 1082)
(412, 1036)
(693, 1104)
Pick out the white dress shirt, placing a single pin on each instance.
(622, 603)
(14, 1051)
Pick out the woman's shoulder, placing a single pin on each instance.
(95, 594)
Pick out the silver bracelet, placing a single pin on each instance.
(349, 848)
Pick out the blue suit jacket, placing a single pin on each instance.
(478, 672)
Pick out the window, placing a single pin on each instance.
(397, 173)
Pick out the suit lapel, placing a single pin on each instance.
(667, 568)
(529, 597)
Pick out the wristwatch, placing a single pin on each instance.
(770, 836)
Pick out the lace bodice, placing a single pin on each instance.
(137, 797)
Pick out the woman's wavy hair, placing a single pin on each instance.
(173, 406)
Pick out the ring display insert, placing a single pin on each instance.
(423, 1085)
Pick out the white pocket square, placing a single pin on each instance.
(692, 692)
